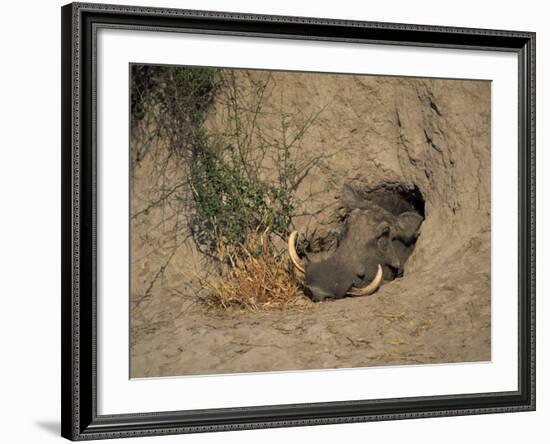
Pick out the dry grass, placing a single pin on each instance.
(257, 280)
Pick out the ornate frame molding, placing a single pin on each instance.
(80, 420)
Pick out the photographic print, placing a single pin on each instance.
(297, 220)
(273, 221)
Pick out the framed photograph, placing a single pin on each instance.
(281, 221)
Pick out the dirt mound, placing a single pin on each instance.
(425, 136)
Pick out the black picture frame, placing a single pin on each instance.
(80, 420)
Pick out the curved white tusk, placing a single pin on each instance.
(369, 289)
(292, 252)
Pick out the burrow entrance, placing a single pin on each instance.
(387, 218)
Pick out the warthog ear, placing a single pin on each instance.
(407, 226)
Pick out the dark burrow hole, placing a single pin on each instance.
(395, 198)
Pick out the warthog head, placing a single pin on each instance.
(374, 246)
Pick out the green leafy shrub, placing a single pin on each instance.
(223, 186)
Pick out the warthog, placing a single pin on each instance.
(374, 246)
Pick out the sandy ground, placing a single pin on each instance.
(433, 134)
